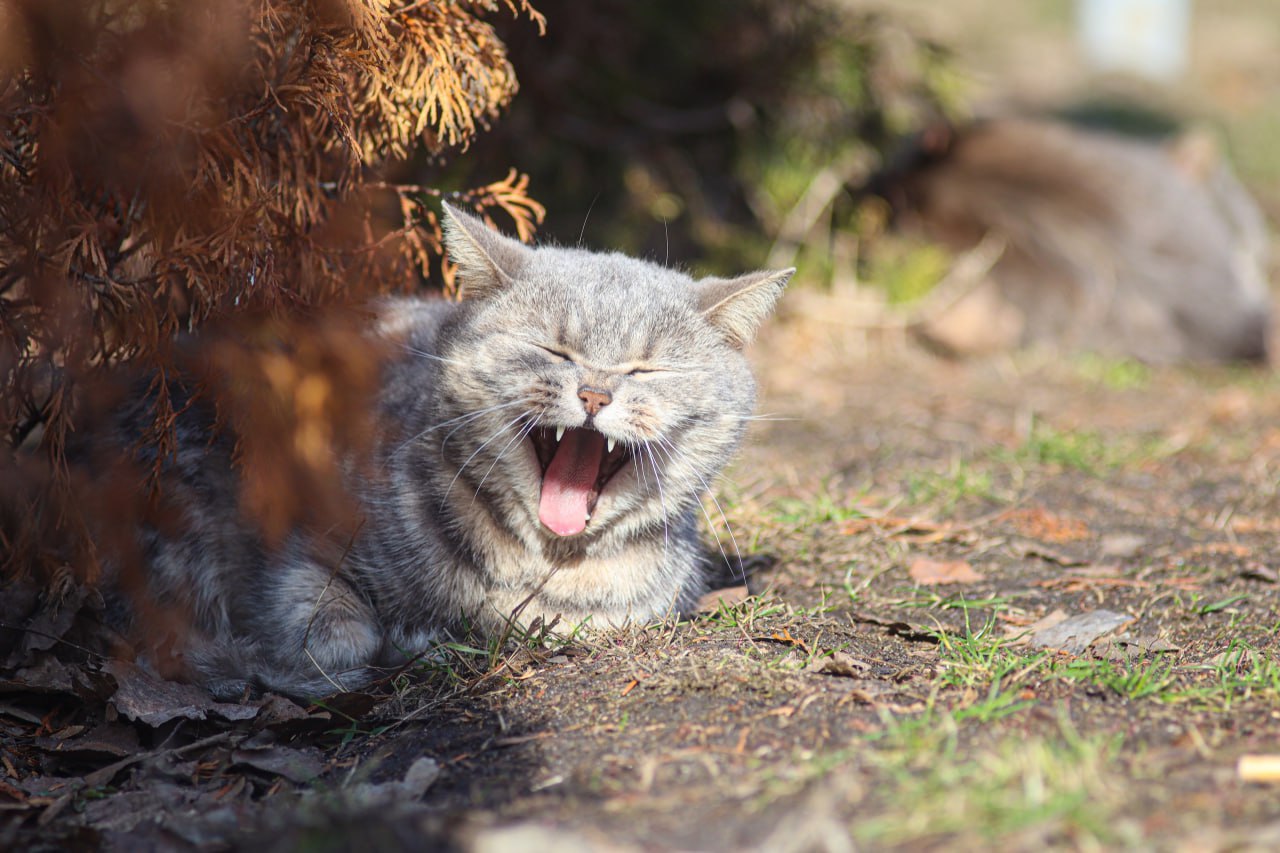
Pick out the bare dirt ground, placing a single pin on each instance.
(911, 529)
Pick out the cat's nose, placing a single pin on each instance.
(594, 399)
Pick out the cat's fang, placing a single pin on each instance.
(608, 445)
(560, 434)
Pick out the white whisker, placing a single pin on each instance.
(449, 435)
(670, 451)
(461, 421)
(586, 218)
(691, 419)
(521, 433)
(662, 500)
(485, 444)
(759, 418)
(429, 355)
(644, 479)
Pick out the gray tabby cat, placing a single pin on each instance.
(546, 442)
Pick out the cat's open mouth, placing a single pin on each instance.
(577, 463)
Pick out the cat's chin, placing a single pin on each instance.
(577, 465)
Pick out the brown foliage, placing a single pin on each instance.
(165, 164)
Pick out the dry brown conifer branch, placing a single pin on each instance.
(165, 166)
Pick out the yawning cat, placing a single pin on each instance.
(545, 444)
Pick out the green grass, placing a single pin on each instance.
(1221, 604)
(1022, 791)
(989, 672)
(1240, 674)
(956, 774)
(744, 614)
(982, 659)
(1084, 450)
(818, 509)
(927, 598)
(905, 271)
(1137, 679)
(946, 489)
(473, 657)
(1118, 374)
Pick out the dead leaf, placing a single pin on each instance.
(50, 613)
(1231, 405)
(1083, 583)
(717, 598)
(113, 740)
(1023, 634)
(295, 765)
(897, 627)
(1036, 549)
(1126, 648)
(278, 709)
(104, 775)
(838, 663)
(938, 572)
(144, 698)
(1039, 523)
(47, 674)
(784, 637)
(319, 716)
(894, 526)
(1076, 634)
(1259, 572)
(130, 813)
(419, 777)
(18, 601)
(1123, 546)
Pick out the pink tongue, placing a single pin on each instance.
(569, 482)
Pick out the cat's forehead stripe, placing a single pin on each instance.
(605, 336)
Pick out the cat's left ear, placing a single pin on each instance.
(737, 306)
(487, 261)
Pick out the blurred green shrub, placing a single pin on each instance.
(712, 116)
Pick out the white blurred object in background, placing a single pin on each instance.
(1143, 37)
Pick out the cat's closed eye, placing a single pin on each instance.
(559, 354)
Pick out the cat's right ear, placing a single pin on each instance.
(487, 261)
(737, 306)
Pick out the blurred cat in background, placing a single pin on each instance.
(1109, 243)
